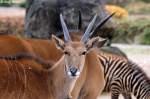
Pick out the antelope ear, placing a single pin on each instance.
(95, 42)
(58, 42)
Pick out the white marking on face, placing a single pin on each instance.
(69, 73)
(78, 73)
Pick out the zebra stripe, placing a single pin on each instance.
(124, 77)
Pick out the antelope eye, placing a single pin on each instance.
(67, 53)
(83, 53)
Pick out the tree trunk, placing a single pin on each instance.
(42, 16)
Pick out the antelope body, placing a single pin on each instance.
(28, 81)
(85, 81)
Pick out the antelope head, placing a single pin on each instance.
(75, 51)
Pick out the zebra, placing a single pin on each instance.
(124, 77)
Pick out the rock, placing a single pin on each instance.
(42, 16)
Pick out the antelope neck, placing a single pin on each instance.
(63, 84)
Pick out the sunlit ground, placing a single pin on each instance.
(107, 96)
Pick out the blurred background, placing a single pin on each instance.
(132, 19)
(130, 33)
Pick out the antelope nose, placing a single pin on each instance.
(73, 71)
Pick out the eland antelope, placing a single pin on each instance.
(77, 74)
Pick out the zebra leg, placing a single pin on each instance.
(115, 89)
(127, 95)
(114, 95)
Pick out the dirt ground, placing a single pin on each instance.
(107, 96)
(12, 12)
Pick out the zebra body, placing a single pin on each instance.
(124, 77)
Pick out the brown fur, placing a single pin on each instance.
(19, 81)
(42, 48)
(40, 85)
(18, 56)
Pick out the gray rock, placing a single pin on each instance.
(42, 16)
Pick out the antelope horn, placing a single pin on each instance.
(102, 22)
(65, 30)
(79, 21)
(88, 30)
